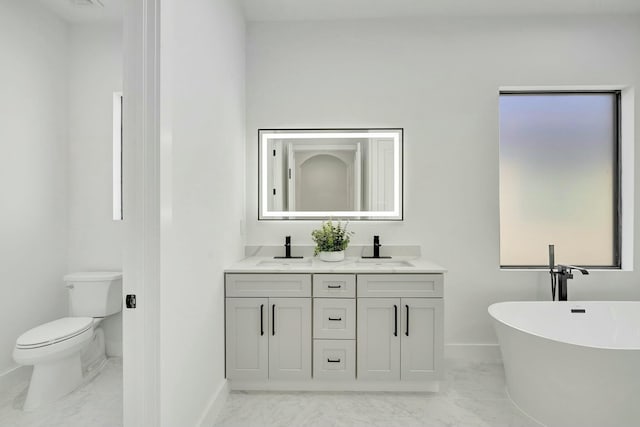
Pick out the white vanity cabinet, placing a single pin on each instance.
(329, 331)
(400, 338)
(268, 337)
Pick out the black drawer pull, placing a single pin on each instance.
(333, 361)
(261, 319)
(407, 333)
(334, 286)
(395, 320)
(273, 319)
(337, 319)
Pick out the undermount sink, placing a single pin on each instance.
(285, 261)
(387, 262)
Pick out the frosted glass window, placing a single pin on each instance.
(559, 178)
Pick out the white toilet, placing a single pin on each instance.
(67, 351)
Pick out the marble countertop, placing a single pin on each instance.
(351, 264)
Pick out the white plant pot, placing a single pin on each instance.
(331, 256)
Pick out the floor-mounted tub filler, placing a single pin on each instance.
(572, 363)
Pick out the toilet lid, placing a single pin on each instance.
(53, 332)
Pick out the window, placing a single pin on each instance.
(559, 178)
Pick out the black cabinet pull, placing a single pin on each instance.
(273, 319)
(334, 286)
(261, 319)
(407, 307)
(395, 320)
(333, 361)
(335, 318)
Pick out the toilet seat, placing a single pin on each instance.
(54, 332)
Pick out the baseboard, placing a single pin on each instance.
(473, 352)
(215, 405)
(432, 386)
(14, 376)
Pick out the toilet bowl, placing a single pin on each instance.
(67, 351)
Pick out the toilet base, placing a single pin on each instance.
(93, 357)
(53, 380)
(50, 381)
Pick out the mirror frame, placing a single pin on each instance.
(397, 214)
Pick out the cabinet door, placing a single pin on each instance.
(378, 339)
(422, 338)
(247, 338)
(289, 338)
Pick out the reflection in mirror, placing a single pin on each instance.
(315, 174)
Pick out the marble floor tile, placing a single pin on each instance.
(96, 404)
(473, 395)
(475, 380)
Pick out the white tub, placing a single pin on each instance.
(568, 369)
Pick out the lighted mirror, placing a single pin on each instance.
(330, 173)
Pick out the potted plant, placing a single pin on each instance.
(331, 241)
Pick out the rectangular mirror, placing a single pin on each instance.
(330, 173)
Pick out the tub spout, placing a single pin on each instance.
(560, 274)
(563, 273)
(573, 267)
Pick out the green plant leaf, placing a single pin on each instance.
(331, 238)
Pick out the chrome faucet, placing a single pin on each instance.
(560, 274)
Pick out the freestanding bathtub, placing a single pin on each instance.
(572, 364)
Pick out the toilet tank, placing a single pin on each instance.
(95, 293)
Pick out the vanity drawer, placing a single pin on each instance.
(334, 359)
(400, 285)
(334, 318)
(334, 285)
(268, 285)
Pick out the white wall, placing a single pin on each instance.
(95, 239)
(438, 80)
(202, 196)
(95, 73)
(33, 170)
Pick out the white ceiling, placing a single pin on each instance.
(113, 10)
(298, 10)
